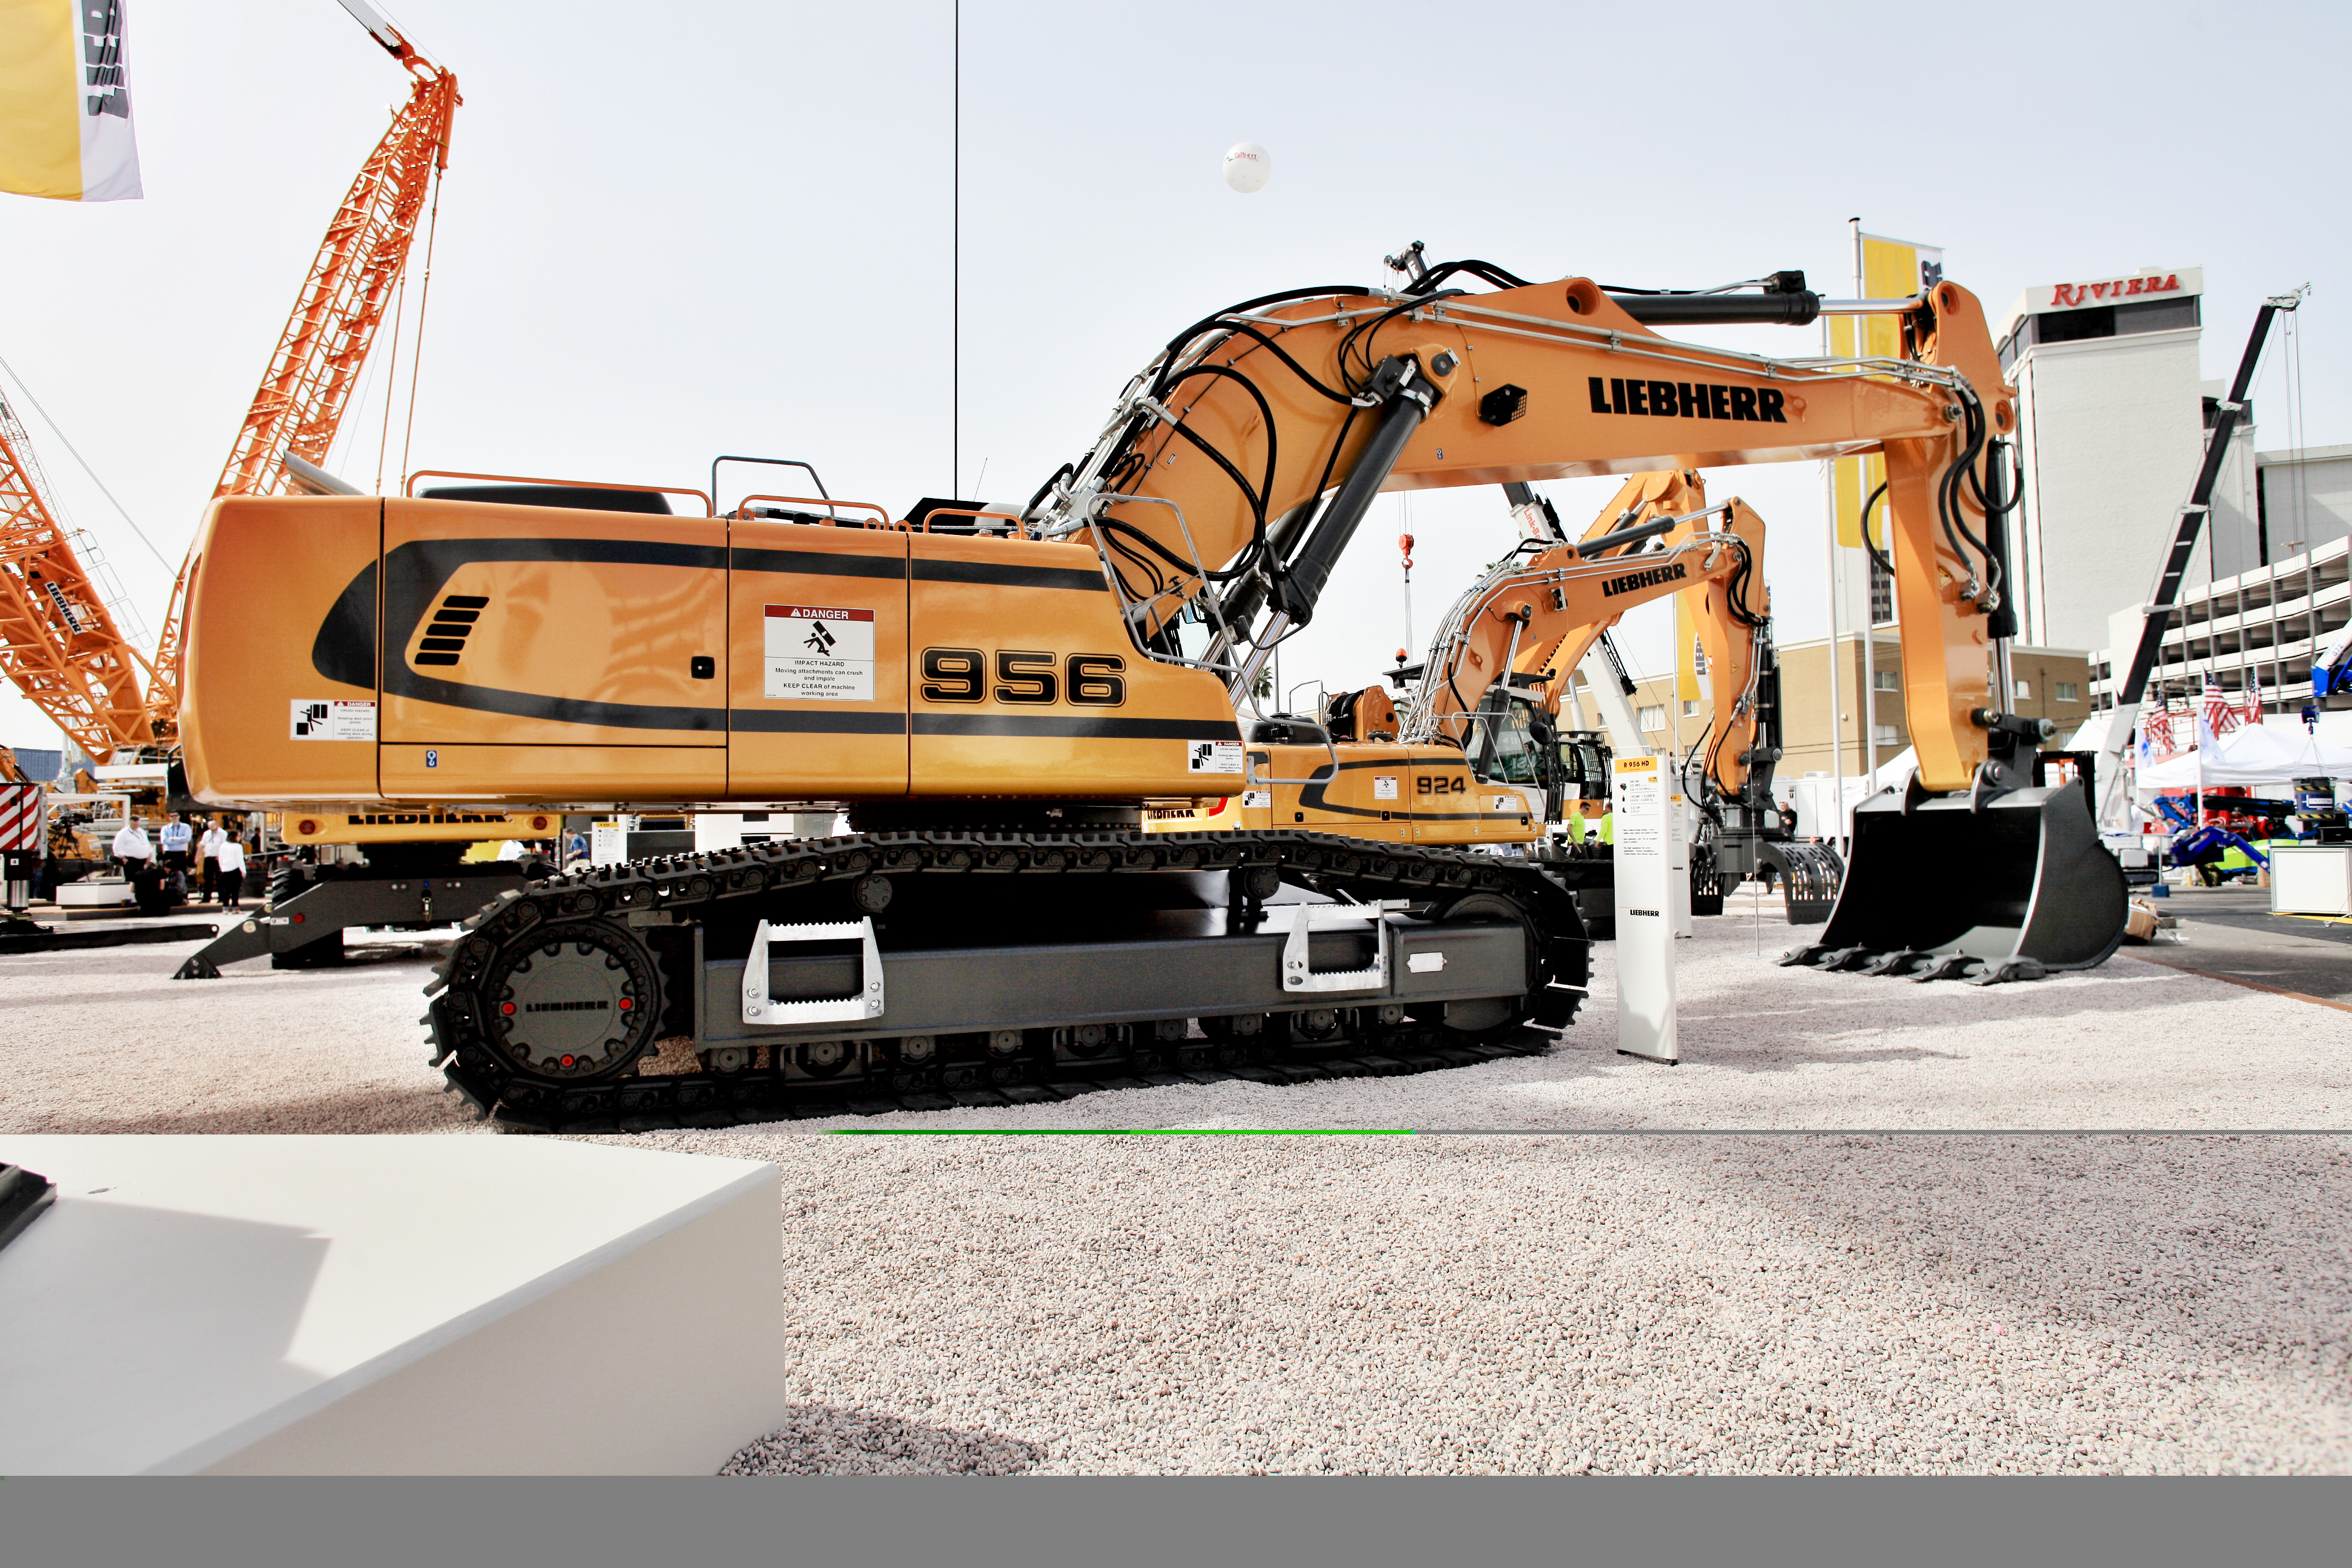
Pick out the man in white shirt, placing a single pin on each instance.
(132, 849)
(209, 848)
(232, 872)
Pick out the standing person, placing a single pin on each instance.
(178, 838)
(232, 872)
(132, 849)
(209, 848)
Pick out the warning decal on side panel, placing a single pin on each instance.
(1214, 757)
(818, 653)
(332, 721)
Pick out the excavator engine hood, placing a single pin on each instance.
(2007, 888)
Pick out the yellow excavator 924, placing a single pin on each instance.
(997, 695)
(1493, 683)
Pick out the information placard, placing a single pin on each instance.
(1648, 824)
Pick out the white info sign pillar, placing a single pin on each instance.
(1650, 858)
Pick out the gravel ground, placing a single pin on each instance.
(2018, 1300)
(105, 1041)
(1628, 1304)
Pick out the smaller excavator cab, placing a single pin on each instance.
(2028, 889)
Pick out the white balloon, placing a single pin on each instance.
(1247, 166)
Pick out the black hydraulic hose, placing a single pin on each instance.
(1366, 330)
(1176, 344)
(1250, 330)
(1058, 474)
(1486, 272)
(1884, 565)
(1266, 411)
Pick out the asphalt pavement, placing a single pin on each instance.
(2230, 932)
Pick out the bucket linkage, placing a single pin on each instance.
(1976, 888)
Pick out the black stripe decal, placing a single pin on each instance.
(557, 710)
(770, 722)
(1007, 724)
(996, 574)
(820, 563)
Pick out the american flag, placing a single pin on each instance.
(2216, 714)
(21, 816)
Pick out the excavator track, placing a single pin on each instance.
(629, 946)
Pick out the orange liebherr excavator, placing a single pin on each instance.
(1503, 653)
(1542, 605)
(997, 695)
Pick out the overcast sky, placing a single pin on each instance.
(670, 232)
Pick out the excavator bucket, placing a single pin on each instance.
(2010, 890)
(1810, 875)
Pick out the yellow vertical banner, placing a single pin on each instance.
(1891, 269)
(1686, 657)
(64, 106)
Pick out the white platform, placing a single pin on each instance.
(406, 1305)
(2311, 880)
(91, 894)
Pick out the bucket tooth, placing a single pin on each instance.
(2015, 969)
(1955, 967)
(1902, 961)
(1848, 959)
(1806, 956)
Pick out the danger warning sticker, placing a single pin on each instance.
(332, 721)
(819, 653)
(1214, 757)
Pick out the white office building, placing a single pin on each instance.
(2112, 414)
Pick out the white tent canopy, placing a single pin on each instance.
(2247, 757)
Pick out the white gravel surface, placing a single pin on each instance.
(1624, 1303)
(1616, 1300)
(103, 1040)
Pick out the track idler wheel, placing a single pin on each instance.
(570, 1004)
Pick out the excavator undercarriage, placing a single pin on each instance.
(921, 971)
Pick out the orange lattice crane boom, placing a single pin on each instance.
(303, 394)
(59, 641)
